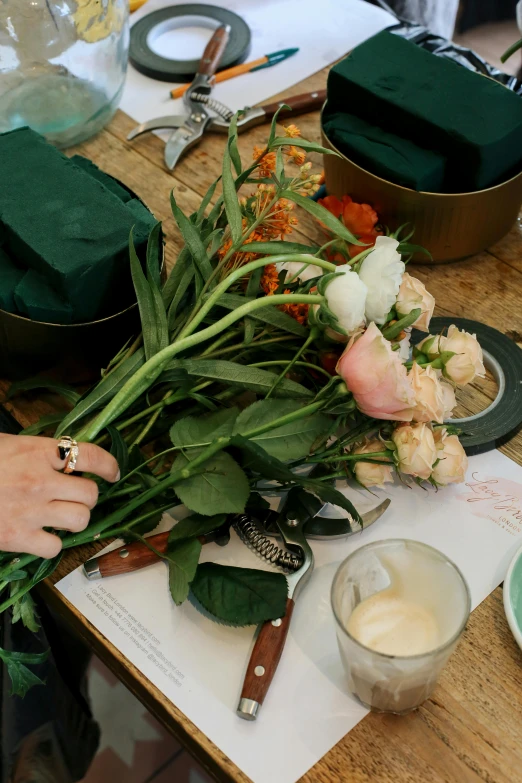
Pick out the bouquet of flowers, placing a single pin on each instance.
(258, 357)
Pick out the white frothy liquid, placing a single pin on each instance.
(393, 625)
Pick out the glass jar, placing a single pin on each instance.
(62, 65)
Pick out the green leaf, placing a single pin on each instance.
(103, 392)
(288, 442)
(183, 557)
(181, 290)
(119, 449)
(67, 392)
(241, 596)
(153, 279)
(145, 303)
(207, 198)
(197, 430)
(25, 610)
(232, 144)
(278, 247)
(321, 213)
(407, 247)
(22, 678)
(251, 291)
(280, 166)
(221, 489)
(193, 240)
(232, 208)
(268, 315)
(233, 374)
(170, 287)
(195, 525)
(311, 146)
(273, 125)
(50, 420)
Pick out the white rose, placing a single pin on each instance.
(413, 295)
(452, 461)
(468, 360)
(346, 297)
(416, 450)
(298, 270)
(370, 474)
(429, 395)
(405, 347)
(381, 272)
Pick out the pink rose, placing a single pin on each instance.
(370, 474)
(452, 462)
(413, 295)
(416, 452)
(376, 377)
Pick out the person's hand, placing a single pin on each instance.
(34, 494)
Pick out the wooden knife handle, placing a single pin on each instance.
(263, 663)
(299, 104)
(129, 557)
(214, 51)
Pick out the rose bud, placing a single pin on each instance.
(346, 297)
(468, 360)
(369, 474)
(452, 462)
(413, 295)
(416, 450)
(430, 401)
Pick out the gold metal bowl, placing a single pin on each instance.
(75, 351)
(451, 226)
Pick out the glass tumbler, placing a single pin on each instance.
(62, 65)
(421, 575)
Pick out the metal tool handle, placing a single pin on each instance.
(263, 663)
(299, 104)
(214, 51)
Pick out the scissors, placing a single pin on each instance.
(204, 113)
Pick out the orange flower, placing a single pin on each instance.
(360, 219)
(268, 161)
(270, 284)
(270, 279)
(292, 131)
(297, 155)
(368, 239)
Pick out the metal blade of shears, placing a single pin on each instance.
(170, 121)
(184, 138)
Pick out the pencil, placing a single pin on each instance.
(230, 73)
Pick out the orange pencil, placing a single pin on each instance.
(229, 73)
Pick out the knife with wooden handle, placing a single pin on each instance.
(132, 557)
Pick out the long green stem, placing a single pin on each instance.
(370, 457)
(314, 333)
(147, 373)
(250, 346)
(242, 271)
(279, 362)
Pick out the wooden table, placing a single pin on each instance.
(471, 729)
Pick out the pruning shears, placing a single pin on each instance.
(204, 113)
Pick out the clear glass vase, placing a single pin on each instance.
(62, 65)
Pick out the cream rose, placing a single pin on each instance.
(452, 462)
(413, 295)
(381, 272)
(429, 395)
(416, 450)
(346, 297)
(450, 401)
(468, 360)
(370, 474)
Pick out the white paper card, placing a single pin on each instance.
(324, 30)
(200, 665)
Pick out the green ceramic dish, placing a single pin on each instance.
(513, 597)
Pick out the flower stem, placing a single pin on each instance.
(384, 455)
(145, 376)
(314, 333)
(277, 362)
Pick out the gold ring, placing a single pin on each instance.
(68, 450)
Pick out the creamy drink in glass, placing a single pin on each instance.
(400, 608)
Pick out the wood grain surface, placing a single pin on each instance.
(471, 729)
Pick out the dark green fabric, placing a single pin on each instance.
(474, 121)
(385, 154)
(37, 300)
(65, 225)
(92, 170)
(10, 276)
